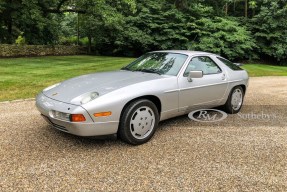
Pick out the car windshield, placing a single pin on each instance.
(161, 63)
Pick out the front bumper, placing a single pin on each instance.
(87, 128)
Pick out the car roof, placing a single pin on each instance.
(186, 52)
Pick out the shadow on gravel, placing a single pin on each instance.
(249, 117)
(74, 140)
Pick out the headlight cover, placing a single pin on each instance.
(59, 115)
(51, 87)
(89, 97)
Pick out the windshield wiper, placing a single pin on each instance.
(148, 71)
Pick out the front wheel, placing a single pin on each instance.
(235, 100)
(138, 122)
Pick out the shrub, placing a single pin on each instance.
(74, 40)
(223, 36)
(7, 50)
(270, 30)
(20, 40)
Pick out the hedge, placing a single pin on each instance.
(39, 50)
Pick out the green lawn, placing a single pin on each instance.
(258, 70)
(25, 77)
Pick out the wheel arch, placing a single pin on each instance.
(243, 87)
(152, 98)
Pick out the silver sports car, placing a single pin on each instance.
(131, 102)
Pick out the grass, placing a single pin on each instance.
(25, 77)
(259, 70)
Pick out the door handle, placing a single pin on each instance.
(223, 77)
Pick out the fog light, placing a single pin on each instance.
(77, 118)
(103, 114)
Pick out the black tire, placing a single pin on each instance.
(127, 132)
(228, 108)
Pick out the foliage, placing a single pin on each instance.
(238, 29)
(73, 40)
(154, 26)
(223, 36)
(157, 25)
(270, 29)
(40, 20)
(8, 50)
(20, 40)
(69, 25)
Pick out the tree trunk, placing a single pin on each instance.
(226, 9)
(217, 7)
(9, 28)
(10, 24)
(90, 44)
(78, 30)
(180, 4)
(234, 6)
(246, 8)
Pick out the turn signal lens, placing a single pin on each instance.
(103, 114)
(77, 118)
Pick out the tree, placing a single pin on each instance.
(39, 20)
(246, 8)
(270, 30)
(159, 25)
(253, 6)
(129, 27)
(102, 15)
(223, 36)
(27, 17)
(156, 25)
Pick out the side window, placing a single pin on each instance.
(229, 64)
(204, 64)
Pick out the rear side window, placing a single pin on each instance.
(229, 64)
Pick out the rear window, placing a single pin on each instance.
(229, 64)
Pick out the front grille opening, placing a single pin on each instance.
(59, 127)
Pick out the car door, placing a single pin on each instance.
(201, 92)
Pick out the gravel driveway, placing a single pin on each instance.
(232, 155)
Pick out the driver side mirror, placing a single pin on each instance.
(194, 74)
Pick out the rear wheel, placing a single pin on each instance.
(138, 122)
(235, 100)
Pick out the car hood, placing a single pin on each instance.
(102, 83)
